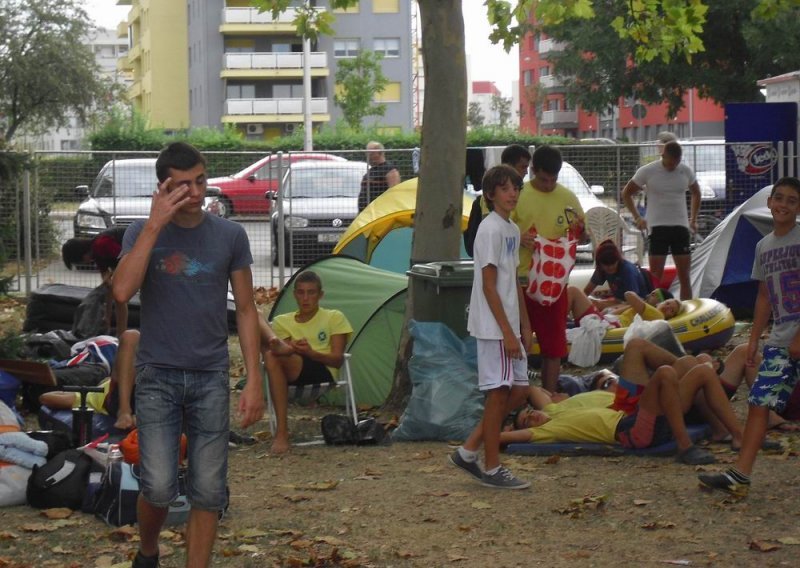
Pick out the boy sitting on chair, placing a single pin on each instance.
(312, 350)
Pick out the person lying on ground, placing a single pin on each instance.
(645, 410)
(116, 400)
(311, 349)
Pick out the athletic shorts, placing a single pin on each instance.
(627, 395)
(642, 430)
(549, 323)
(312, 373)
(675, 239)
(496, 369)
(777, 377)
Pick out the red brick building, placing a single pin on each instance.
(544, 108)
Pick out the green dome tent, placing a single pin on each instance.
(374, 302)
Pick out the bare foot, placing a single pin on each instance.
(280, 445)
(280, 347)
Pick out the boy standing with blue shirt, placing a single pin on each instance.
(777, 267)
(501, 328)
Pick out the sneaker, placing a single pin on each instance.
(471, 468)
(694, 455)
(504, 479)
(724, 482)
(142, 561)
(235, 440)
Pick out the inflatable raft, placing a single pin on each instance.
(702, 324)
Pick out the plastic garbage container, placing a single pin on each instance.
(442, 292)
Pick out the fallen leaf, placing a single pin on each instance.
(641, 502)
(422, 455)
(297, 498)
(437, 493)
(37, 527)
(122, 534)
(763, 546)
(248, 548)
(104, 561)
(456, 557)
(677, 562)
(789, 540)
(404, 553)
(287, 532)
(8, 535)
(251, 533)
(57, 513)
(481, 505)
(301, 544)
(658, 525)
(431, 468)
(228, 552)
(552, 460)
(60, 550)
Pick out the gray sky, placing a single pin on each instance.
(488, 62)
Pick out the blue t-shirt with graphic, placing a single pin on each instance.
(777, 263)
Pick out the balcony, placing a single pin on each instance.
(559, 119)
(272, 64)
(550, 46)
(134, 53)
(250, 20)
(273, 110)
(552, 82)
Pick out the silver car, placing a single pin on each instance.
(120, 194)
(319, 200)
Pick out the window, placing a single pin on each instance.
(388, 46)
(554, 104)
(544, 71)
(390, 93)
(385, 6)
(354, 9)
(527, 77)
(346, 47)
(241, 91)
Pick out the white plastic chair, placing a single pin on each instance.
(604, 223)
(304, 393)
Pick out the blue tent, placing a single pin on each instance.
(722, 263)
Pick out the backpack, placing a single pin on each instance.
(475, 218)
(338, 429)
(61, 482)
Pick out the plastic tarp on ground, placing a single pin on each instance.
(723, 262)
(381, 234)
(374, 302)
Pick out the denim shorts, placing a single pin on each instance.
(777, 376)
(169, 401)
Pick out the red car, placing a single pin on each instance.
(244, 192)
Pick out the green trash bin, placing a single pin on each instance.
(442, 292)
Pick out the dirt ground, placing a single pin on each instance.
(403, 505)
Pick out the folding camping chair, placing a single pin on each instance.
(604, 223)
(306, 393)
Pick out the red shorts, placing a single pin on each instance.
(550, 325)
(642, 430)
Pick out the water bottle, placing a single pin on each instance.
(114, 456)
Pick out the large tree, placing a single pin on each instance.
(358, 80)
(47, 72)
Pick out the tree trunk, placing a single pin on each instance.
(437, 221)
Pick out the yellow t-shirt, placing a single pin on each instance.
(651, 313)
(589, 399)
(317, 331)
(593, 424)
(544, 211)
(95, 400)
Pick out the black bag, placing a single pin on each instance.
(61, 482)
(57, 441)
(475, 218)
(338, 430)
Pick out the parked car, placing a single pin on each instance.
(243, 192)
(707, 160)
(320, 201)
(120, 194)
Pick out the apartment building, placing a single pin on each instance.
(156, 31)
(245, 69)
(544, 107)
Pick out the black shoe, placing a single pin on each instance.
(235, 440)
(142, 561)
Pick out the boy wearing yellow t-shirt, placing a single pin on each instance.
(312, 350)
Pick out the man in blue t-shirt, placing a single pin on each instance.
(182, 260)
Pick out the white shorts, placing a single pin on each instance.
(496, 369)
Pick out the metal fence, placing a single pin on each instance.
(314, 197)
